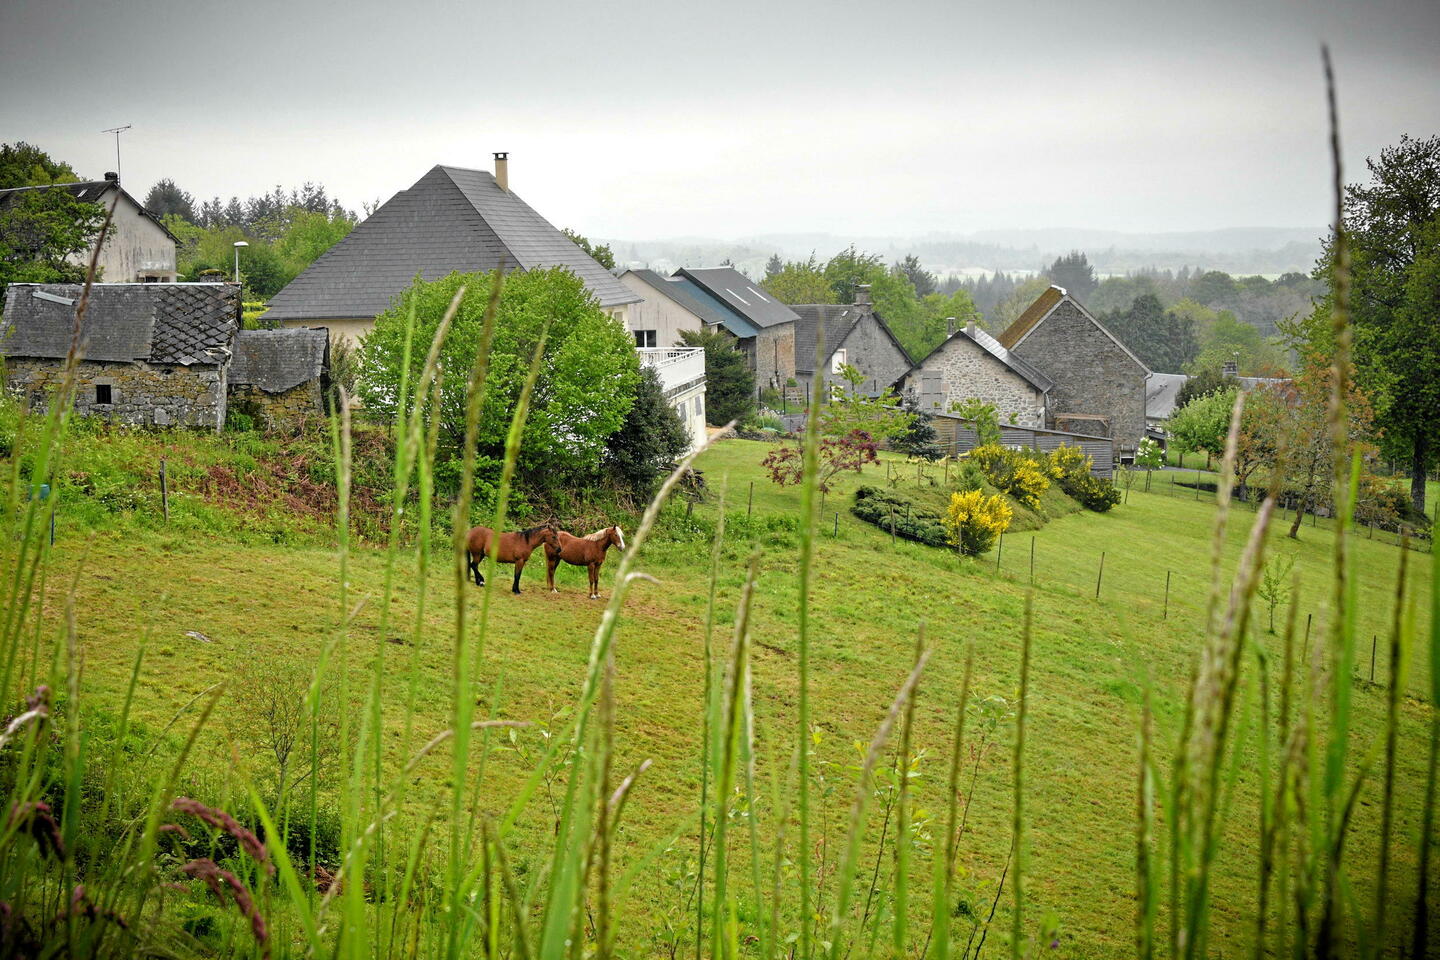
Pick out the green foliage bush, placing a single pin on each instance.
(884, 507)
(1092, 492)
(1023, 474)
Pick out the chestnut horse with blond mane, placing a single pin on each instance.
(587, 551)
(512, 548)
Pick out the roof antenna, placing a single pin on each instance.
(117, 131)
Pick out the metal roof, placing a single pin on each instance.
(170, 323)
(737, 292)
(279, 360)
(452, 219)
(693, 297)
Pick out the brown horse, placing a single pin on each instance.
(587, 551)
(513, 548)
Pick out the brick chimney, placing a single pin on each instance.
(970, 327)
(502, 170)
(949, 326)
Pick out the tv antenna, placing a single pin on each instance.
(117, 131)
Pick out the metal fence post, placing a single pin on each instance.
(750, 506)
(1032, 559)
(999, 550)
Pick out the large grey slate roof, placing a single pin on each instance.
(1161, 392)
(451, 219)
(694, 298)
(279, 360)
(737, 292)
(837, 321)
(170, 323)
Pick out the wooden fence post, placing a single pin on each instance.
(750, 505)
(1197, 485)
(1032, 559)
(892, 524)
(1166, 614)
(999, 550)
(164, 490)
(1100, 576)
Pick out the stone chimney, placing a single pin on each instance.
(970, 327)
(949, 326)
(112, 177)
(862, 296)
(502, 170)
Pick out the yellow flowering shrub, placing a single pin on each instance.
(1067, 461)
(1028, 483)
(1021, 473)
(973, 521)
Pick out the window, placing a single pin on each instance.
(103, 393)
(644, 338)
(837, 360)
(680, 409)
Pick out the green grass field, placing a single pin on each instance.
(259, 605)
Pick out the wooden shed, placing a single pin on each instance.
(956, 435)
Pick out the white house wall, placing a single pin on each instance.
(136, 247)
(657, 312)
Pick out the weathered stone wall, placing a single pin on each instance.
(773, 358)
(870, 351)
(285, 411)
(962, 369)
(140, 394)
(1092, 374)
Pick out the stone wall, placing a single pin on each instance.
(287, 411)
(1092, 374)
(773, 356)
(140, 394)
(962, 369)
(870, 351)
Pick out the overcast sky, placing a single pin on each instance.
(645, 119)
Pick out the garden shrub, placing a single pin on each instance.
(973, 521)
(882, 507)
(1020, 473)
(1091, 492)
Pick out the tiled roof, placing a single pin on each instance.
(1161, 392)
(171, 323)
(279, 360)
(1033, 314)
(737, 292)
(451, 219)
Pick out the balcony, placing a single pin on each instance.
(678, 367)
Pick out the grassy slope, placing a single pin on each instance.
(1090, 662)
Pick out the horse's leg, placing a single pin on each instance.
(519, 565)
(475, 565)
(594, 581)
(550, 564)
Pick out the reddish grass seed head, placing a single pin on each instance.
(221, 820)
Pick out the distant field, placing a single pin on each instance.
(255, 603)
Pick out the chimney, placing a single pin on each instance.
(112, 177)
(949, 326)
(502, 171)
(970, 327)
(862, 295)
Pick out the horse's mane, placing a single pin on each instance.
(600, 534)
(528, 531)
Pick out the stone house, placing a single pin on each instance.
(138, 248)
(451, 219)
(153, 354)
(1099, 383)
(854, 335)
(764, 327)
(279, 377)
(971, 364)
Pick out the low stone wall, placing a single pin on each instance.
(140, 394)
(285, 411)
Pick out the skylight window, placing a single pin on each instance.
(737, 296)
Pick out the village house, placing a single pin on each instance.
(153, 354)
(853, 335)
(764, 327)
(278, 378)
(452, 219)
(969, 364)
(1099, 385)
(137, 249)
(670, 306)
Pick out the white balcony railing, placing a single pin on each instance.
(676, 366)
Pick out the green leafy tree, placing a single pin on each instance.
(848, 269)
(42, 232)
(1394, 223)
(166, 199)
(1074, 273)
(921, 279)
(1207, 381)
(1164, 339)
(1203, 423)
(799, 282)
(600, 252)
(1230, 338)
(309, 234)
(649, 443)
(1214, 289)
(1024, 294)
(774, 265)
(587, 376)
(729, 382)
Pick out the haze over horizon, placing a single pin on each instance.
(755, 120)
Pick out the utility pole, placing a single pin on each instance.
(117, 131)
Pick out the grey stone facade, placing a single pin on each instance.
(140, 394)
(772, 354)
(961, 369)
(872, 351)
(1094, 375)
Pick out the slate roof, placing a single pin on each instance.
(996, 349)
(451, 219)
(837, 320)
(1161, 391)
(90, 191)
(694, 298)
(167, 323)
(735, 290)
(279, 360)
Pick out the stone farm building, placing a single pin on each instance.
(764, 327)
(452, 219)
(138, 248)
(855, 335)
(154, 354)
(161, 355)
(278, 377)
(970, 364)
(1099, 385)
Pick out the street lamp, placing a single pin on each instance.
(238, 245)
